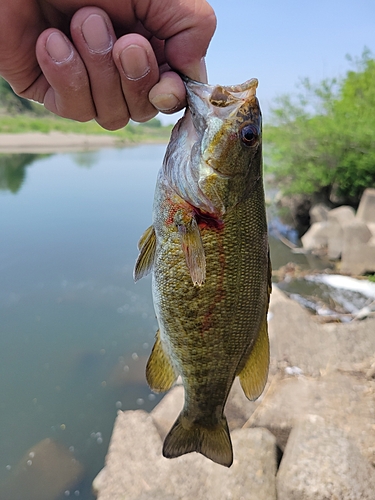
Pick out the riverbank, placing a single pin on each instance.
(310, 435)
(56, 142)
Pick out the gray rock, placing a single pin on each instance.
(345, 401)
(316, 236)
(319, 213)
(366, 209)
(44, 472)
(371, 226)
(338, 218)
(335, 240)
(135, 468)
(321, 463)
(133, 463)
(341, 214)
(252, 475)
(358, 256)
(298, 340)
(356, 231)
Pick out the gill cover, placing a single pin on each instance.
(215, 141)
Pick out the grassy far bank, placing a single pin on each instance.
(19, 116)
(24, 123)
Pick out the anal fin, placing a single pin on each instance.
(253, 376)
(160, 373)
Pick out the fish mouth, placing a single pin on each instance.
(222, 95)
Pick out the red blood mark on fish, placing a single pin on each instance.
(207, 221)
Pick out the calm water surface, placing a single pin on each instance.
(75, 330)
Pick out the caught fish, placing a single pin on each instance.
(208, 252)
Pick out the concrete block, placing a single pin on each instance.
(338, 218)
(343, 400)
(316, 237)
(135, 468)
(366, 208)
(341, 214)
(320, 462)
(358, 254)
(319, 213)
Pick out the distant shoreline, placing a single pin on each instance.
(56, 142)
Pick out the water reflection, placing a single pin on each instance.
(75, 331)
(85, 159)
(13, 170)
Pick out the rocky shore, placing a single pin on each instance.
(345, 235)
(311, 435)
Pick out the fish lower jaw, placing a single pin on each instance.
(207, 169)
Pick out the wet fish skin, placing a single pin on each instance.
(208, 250)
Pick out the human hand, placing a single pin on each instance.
(72, 61)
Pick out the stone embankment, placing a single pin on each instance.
(346, 235)
(311, 435)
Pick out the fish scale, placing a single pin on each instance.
(208, 252)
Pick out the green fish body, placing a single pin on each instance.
(208, 252)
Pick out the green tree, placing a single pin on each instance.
(322, 143)
(11, 102)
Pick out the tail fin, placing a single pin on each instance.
(212, 442)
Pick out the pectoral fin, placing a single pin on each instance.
(145, 261)
(192, 247)
(253, 376)
(160, 373)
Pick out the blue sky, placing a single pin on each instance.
(281, 41)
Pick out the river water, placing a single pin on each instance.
(75, 331)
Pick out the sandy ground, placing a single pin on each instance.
(36, 142)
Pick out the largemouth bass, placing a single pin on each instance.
(208, 252)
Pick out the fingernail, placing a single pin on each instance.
(95, 32)
(58, 47)
(134, 62)
(165, 102)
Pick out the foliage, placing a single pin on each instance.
(12, 103)
(323, 142)
(13, 170)
(22, 123)
(154, 123)
(18, 115)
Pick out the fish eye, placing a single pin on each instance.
(249, 135)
